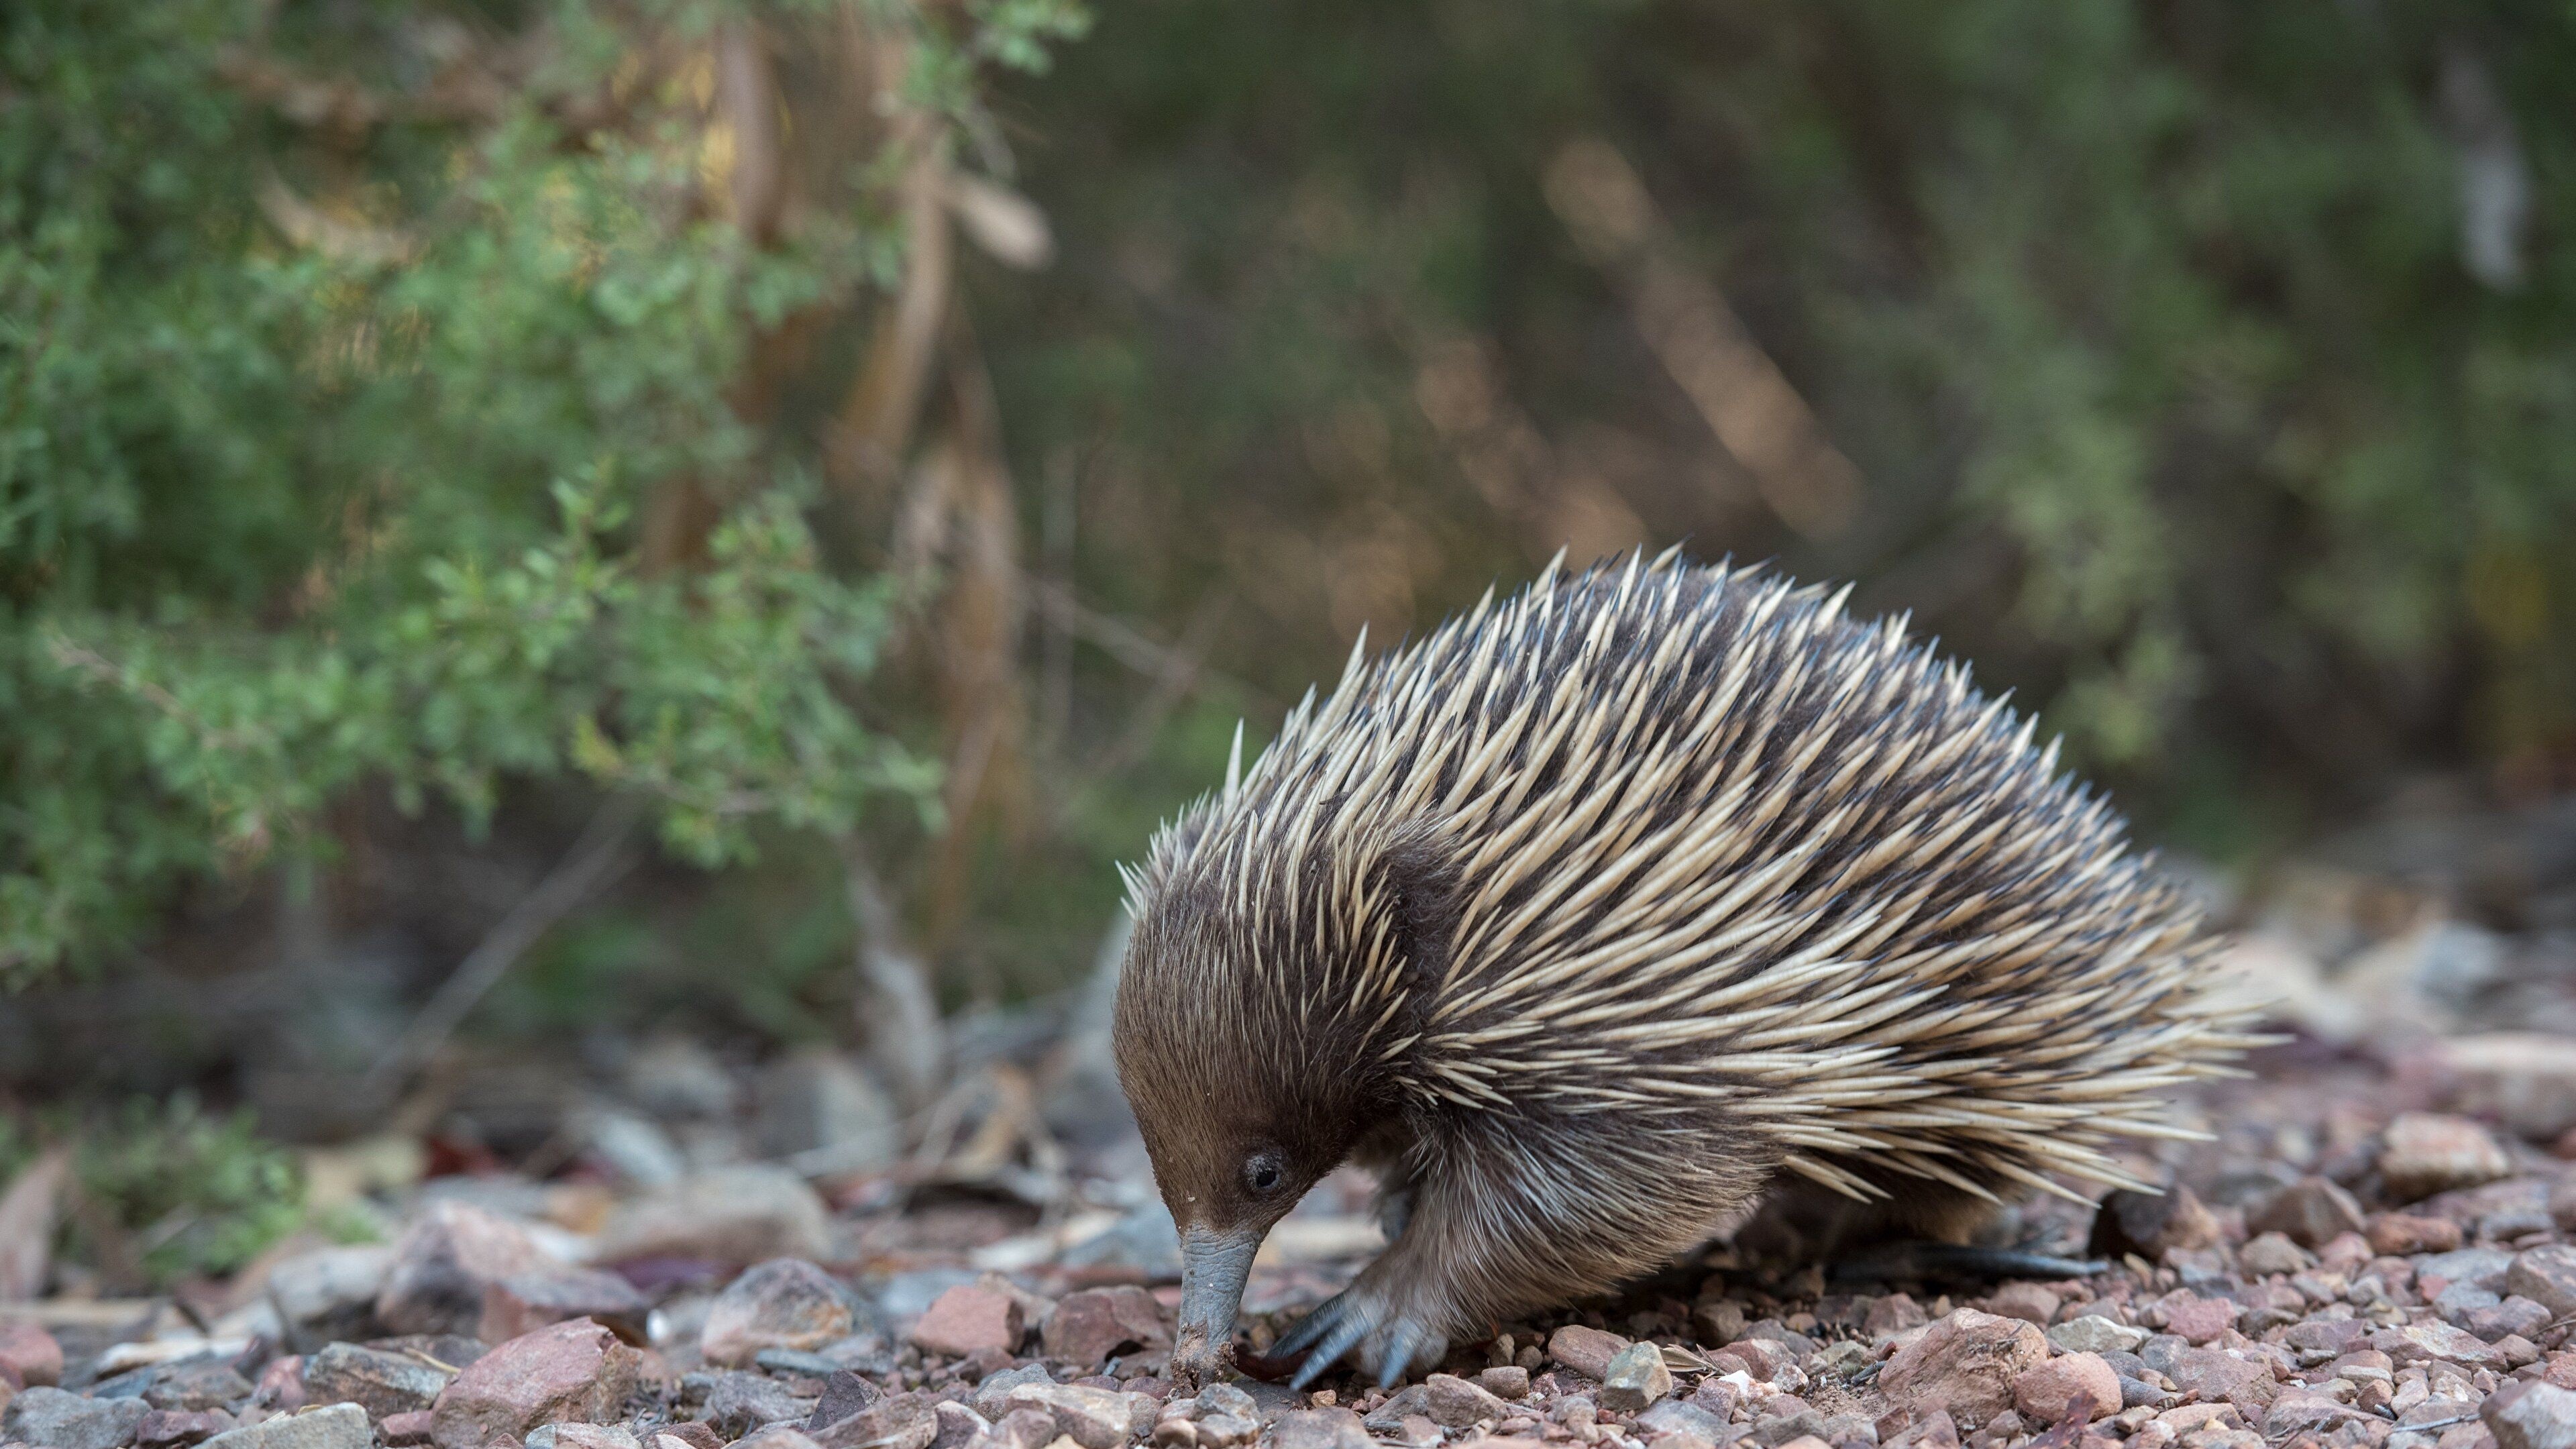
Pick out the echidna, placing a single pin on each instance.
(1596, 914)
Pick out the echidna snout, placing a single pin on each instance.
(1595, 915)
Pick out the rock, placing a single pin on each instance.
(690, 1435)
(1507, 1381)
(1965, 1364)
(2420, 1342)
(172, 1428)
(1760, 1359)
(993, 1394)
(414, 1428)
(380, 1383)
(2047, 1393)
(2310, 1212)
(1886, 1317)
(2402, 1235)
(2324, 1339)
(1032, 1428)
(2477, 1267)
(2515, 1317)
(2531, 1416)
(782, 1303)
(2092, 1333)
(1684, 1416)
(2302, 1411)
(1587, 1351)
(1718, 1320)
(1145, 1240)
(1934, 1430)
(1455, 1403)
(816, 1106)
(54, 1419)
(341, 1426)
(844, 1394)
(2151, 1224)
(462, 1269)
(1321, 1429)
(281, 1386)
(2028, 1302)
(1092, 1326)
(776, 1436)
(677, 1078)
(2527, 1080)
(958, 1425)
(577, 1371)
(1635, 1377)
(582, 1436)
(906, 1422)
(328, 1295)
(29, 1357)
(2273, 1253)
(1715, 1395)
(2211, 1374)
(2423, 1153)
(2547, 1276)
(1092, 1418)
(204, 1384)
(740, 1403)
(970, 1317)
(2195, 1319)
(741, 1214)
(1775, 1430)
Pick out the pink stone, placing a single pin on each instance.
(969, 1317)
(575, 1372)
(2028, 1302)
(783, 1303)
(2198, 1320)
(1089, 1327)
(2046, 1393)
(461, 1269)
(1587, 1351)
(29, 1356)
(1965, 1364)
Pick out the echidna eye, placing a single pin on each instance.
(1263, 1172)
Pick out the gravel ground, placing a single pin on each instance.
(2376, 1245)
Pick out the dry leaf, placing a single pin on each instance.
(1004, 223)
(27, 1215)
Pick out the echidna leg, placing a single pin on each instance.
(1503, 1224)
(1394, 1207)
(1362, 1317)
(1919, 1230)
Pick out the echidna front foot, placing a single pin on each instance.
(1389, 1343)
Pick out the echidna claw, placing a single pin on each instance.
(1347, 1321)
(1402, 1338)
(1311, 1329)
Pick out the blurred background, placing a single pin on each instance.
(590, 590)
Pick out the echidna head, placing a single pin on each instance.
(1251, 1041)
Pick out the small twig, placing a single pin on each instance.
(1119, 639)
(897, 1009)
(1182, 671)
(597, 857)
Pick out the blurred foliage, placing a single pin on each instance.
(423, 398)
(2147, 326)
(164, 1190)
(193, 1192)
(329, 460)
